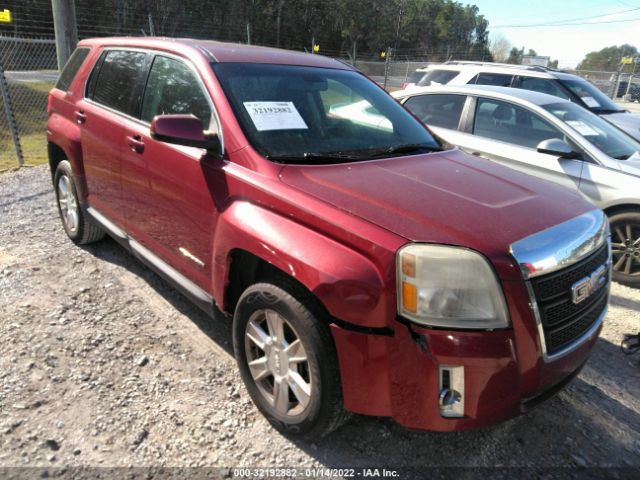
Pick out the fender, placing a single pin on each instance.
(347, 283)
(66, 135)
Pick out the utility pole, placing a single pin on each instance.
(395, 43)
(64, 24)
(387, 61)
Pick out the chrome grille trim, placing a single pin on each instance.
(562, 245)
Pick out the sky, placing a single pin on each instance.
(603, 23)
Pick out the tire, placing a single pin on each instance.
(264, 306)
(625, 247)
(80, 227)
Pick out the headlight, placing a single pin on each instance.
(446, 286)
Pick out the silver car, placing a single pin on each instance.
(550, 138)
(536, 78)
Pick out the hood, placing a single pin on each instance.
(628, 122)
(448, 197)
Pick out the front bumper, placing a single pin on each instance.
(505, 373)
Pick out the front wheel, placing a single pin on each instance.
(287, 359)
(625, 248)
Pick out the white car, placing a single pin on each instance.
(550, 138)
(539, 79)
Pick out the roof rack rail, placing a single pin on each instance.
(536, 68)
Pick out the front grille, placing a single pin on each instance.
(562, 320)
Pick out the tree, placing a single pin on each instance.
(499, 46)
(432, 30)
(515, 55)
(607, 59)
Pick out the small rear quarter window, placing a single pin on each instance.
(71, 68)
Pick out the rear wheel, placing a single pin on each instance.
(287, 359)
(80, 227)
(625, 248)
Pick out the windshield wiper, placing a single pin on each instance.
(606, 111)
(315, 158)
(407, 148)
(353, 155)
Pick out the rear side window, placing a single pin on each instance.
(496, 79)
(71, 68)
(437, 110)
(173, 88)
(438, 77)
(117, 82)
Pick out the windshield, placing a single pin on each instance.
(594, 99)
(315, 115)
(438, 77)
(599, 132)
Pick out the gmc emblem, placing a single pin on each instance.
(583, 288)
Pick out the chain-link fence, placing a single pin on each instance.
(28, 70)
(621, 87)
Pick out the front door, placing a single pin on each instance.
(170, 190)
(509, 134)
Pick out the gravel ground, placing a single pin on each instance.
(104, 364)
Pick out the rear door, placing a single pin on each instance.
(171, 191)
(112, 93)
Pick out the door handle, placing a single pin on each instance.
(135, 143)
(80, 117)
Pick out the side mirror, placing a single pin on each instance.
(557, 148)
(183, 130)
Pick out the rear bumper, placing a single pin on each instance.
(505, 373)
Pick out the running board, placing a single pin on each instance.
(107, 224)
(196, 294)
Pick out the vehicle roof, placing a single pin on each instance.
(221, 52)
(506, 93)
(506, 69)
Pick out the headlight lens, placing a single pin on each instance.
(447, 286)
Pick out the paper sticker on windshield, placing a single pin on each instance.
(582, 128)
(590, 102)
(275, 116)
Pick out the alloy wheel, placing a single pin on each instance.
(68, 204)
(278, 362)
(625, 247)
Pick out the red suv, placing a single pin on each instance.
(366, 268)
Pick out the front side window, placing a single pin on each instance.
(597, 131)
(594, 99)
(173, 88)
(496, 79)
(117, 82)
(415, 77)
(511, 124)
(437, 110)
(543, 85)
(318, 115)
(438, 77)
(71, 68)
